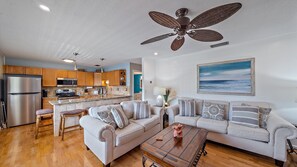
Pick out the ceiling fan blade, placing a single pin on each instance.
(215, 15)
(158, 38)
(177, 43)
(164, 19)
(205, 35)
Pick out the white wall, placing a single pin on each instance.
(275, 70)
(1, 64)
(148, 79)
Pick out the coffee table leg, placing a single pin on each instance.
(143, 160)
(203, 149)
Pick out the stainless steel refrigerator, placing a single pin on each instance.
(23, 99)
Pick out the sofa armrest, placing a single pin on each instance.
(160, 112)
(280, 130)
(172, 111)
(97, 128)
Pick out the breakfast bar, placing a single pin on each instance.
(82, 103)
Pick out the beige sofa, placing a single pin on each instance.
(270, 142)
(108, 143)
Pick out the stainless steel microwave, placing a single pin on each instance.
(66, 82)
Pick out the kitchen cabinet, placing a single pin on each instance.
(49, 77)
(120, 77)
(8, 69)
(61, 74)
(33, 71)
(46, 104)
(71, 74)
(89, 79)
(97, 79)
(81, 78)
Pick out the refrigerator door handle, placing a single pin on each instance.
(23, 93)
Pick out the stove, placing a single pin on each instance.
(64, 94)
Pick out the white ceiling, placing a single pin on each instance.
(114, 29)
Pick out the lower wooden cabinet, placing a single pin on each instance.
(46, 104)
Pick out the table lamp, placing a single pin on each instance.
(159, 92)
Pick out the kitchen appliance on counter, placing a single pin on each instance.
(64, 94)
(23, 98)
(66, 82)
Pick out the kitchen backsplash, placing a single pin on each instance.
(111, 90)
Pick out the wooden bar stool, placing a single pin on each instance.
(67, 114)
(40, 114)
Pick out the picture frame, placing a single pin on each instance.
(234, 77)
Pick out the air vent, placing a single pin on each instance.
(219, 44)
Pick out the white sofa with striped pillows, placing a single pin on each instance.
(246, 125)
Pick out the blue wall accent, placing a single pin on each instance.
(137, 87)
(43, 64)
(124, 66)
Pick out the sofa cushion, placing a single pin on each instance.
(107, 117)
(213, 111)
(187, 107)
(147, 123)
(225, 103)
(187, 120)
(128, 133)
(213, 125)
(246, 116)
(198, 104)
(141, 110)
(258, 134)
(119, 117)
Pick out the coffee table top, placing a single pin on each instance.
(176, 153)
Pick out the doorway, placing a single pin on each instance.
(137, 82)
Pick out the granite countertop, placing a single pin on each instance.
(87, 98)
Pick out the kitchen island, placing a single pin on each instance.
(82, 103)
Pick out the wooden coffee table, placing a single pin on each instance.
(171, 152)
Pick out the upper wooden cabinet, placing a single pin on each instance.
(81, 78)
(71, 74)
(61, 74)
(33, 71)
(89, 78)
(49, 77)
(97, 79)
(115, 78)
(7, 69)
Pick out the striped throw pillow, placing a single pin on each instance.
(119, 117)
(245, 115)
(187, 108)
(141, 110)
(263, 115)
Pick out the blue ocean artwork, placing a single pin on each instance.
(233, 77)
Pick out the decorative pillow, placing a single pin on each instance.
(263, 115)
(245, 115)
(141, 110)
(187, 107)
(107, 117)
(213, 111)
(119, 117)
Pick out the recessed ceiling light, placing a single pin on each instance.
(44, 8)
(68, 60)
(156, 53)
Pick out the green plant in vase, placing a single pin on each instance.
(169, 95)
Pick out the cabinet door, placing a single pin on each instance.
(81, 78)
(71, 74)
(89, 78)
(62, 74)
(14, 69)
(97, 79)
(110, 78)
(49, 77)
(46, 104)
(33, 71)
(117, 76)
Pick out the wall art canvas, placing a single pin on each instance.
(235, 77)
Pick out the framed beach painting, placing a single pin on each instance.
(236, 77)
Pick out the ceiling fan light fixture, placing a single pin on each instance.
(68, 60)
(44, 8)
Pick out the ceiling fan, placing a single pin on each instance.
(182, 25)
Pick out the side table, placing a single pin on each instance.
(165, 118)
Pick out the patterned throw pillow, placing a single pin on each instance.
(187, 108)
(141, 110)
(107, 117)
(245, 115)
(263, 115)
(213, 111)
(119, 117)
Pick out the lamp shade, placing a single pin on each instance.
(159, 91)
